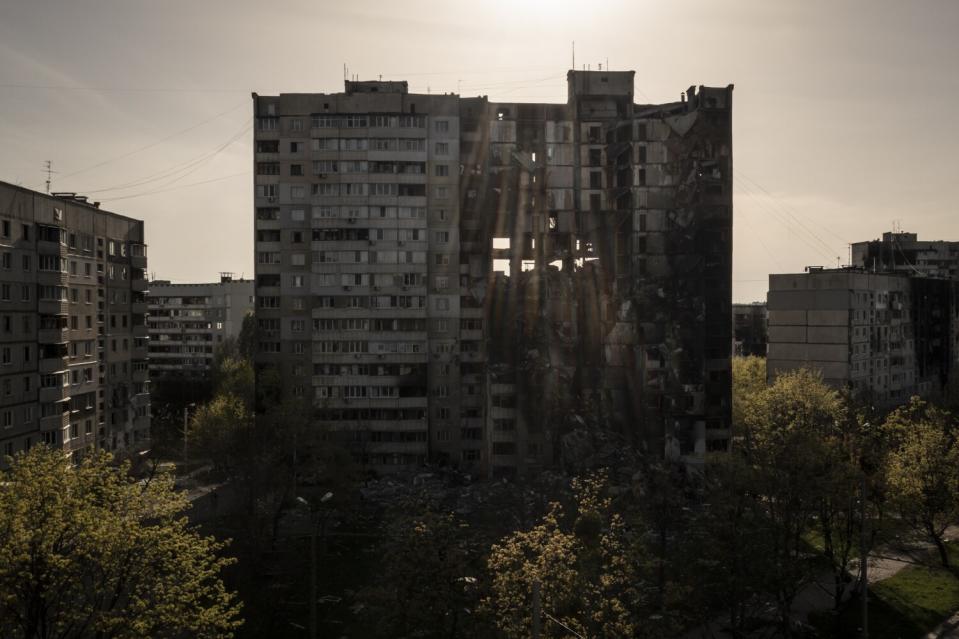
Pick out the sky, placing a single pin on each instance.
(844, 113)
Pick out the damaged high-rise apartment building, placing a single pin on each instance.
(487, 285)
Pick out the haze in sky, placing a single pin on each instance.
(844, 112)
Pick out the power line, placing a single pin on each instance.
(174, 188)
(60, 87)
(153, 144)
(782, 219)
(189, 166)
(789, 208)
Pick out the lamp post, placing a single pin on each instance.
(186, 434)
(314, 512)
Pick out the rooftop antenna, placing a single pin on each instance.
(344, 71)
(600, 66)
(574, 56)
(380, 77)
(48, 166)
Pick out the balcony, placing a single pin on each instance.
(54, 394)
(141, 399)
(52, 365)
(52, 336)
(139, 308)
(140, 330)
(139, 285)
(52, 278)
(55, 422)
(138, 255)
(53, 307)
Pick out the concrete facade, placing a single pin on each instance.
(884, 336)
(73, 340)
(188, 321)
(905, 253)
(453, 279)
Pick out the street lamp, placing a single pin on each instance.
(314, 512)
(186, 434)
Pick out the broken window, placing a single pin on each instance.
(595, 179)
(595, 157)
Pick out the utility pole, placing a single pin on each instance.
(537, 613)
(864, 561)
(313, 624)
(186, 435)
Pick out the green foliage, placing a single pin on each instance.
(234, 376)
(427, 585)
(749, 379)
(909, 604)
(221, 430)
(587, 568)
(796, 448)
(89, 552)
(923, 469)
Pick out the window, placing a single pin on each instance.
(441, 170)
(441, 126)
(441, 237)
(297, 192)
(442, 148)
(442, 191)
(266, 190)
(297, 215)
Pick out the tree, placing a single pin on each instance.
(790, 440)
(749, 379)
(89, 552)
(427, 587)
(221, 429)
(587, 569)
(923, 470)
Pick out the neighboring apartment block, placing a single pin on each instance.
(904, 253)
(73, 340)
(749, 329)
(188, 322)
(453, 279)
(885, 336)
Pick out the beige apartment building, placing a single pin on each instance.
(73, 340)
(189, 321)
(884, 336)
(463, 282)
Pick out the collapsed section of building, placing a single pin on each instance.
(493, 285)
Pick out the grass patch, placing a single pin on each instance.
(909, 604)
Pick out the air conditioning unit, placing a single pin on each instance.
(376, 288)
(406, 288)
(347, 288)
(372, 242)
(271, 198)
(351, 221)
(400, 243)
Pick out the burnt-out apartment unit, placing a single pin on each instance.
(478, 284)
(73, 340)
